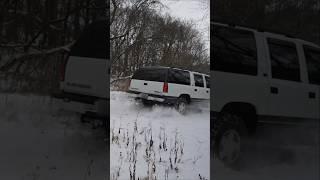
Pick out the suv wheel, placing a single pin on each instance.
(181, 105)
(146, 102)
(230, 134)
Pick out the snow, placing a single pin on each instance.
(278, 153)
(41, 142)
(163, 125)
(192, 10)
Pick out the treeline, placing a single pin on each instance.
(142, 36)
(298, 18)
(35, 36)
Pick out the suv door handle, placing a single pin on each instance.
(195, 89)
(312, 95)
(273, 90)
(207, 91)
(145, 84)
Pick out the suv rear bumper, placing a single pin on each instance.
(81, 103)
(153, 97)
(147, 97)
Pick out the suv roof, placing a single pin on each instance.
(166, 67)
(268, 32)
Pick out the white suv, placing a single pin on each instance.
(84, 80)
(170, 86)
(259, 77)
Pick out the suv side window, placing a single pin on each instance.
(150, 74)
(284, 60)
(234, 51)
(207, 81)
(198, 80)
(313, 64)
(179, 77)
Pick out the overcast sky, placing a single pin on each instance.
(194, 10)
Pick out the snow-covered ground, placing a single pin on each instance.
(157, 142)
(277, 153)
(39, 142)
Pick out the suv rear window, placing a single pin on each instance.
(234, 51)
(179, 77)
(313, 64)
(92, 42)
(151, 74)
(198, 80)
(284, 60)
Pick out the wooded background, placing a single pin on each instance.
(35, 36)
(297, 18)
(142, 36)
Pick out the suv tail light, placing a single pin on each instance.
(165, 87)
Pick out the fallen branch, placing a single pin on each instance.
(119, 79)
(10, 63)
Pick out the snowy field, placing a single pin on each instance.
(38, 142)
(157, 142)
(277, 153)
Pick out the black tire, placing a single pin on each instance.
(181, 105)
(84, 118)
(230, 137)
(147, 102)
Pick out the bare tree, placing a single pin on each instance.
(295, 18)
(140, 36)
(35, 35)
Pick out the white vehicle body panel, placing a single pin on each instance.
(174, 90)
(85, 83)
(87, 76)
(144, 86)
(292, 98)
